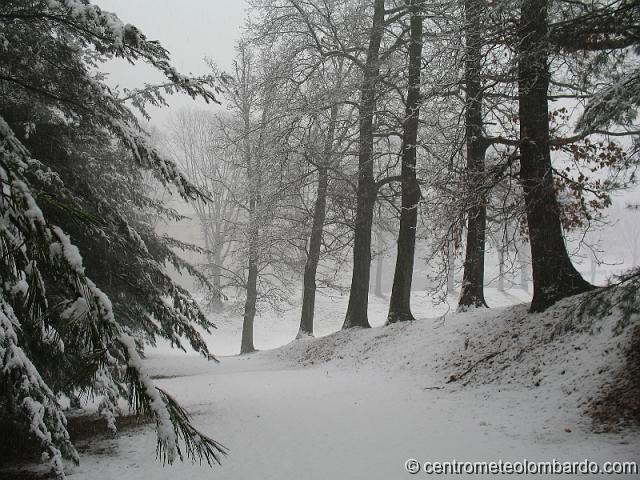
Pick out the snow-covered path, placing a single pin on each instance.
(322, 422)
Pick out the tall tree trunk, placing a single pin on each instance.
(472, 290)
(377, 291)
(210, 247)
(523, 260)
(315, 240)
(554, 276)
(357, 315)
(451, 265)
(501, 268)
(218, 242)
(400, 302)
(253, 166)
(246, 343)
(217, 274)
(313, 258)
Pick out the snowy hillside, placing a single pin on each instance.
(565, 361)
(478, 386)
(274, 329)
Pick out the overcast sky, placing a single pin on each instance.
(190, 29)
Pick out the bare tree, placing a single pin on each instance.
(195, 142)
(400, 302)
(366, 194)
(472, 291)
(554, 276)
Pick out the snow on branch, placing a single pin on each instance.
(29, 245)
(617, 103)
(28, 392)
(112, 37)
(97, 36)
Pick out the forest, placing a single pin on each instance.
(430, 193)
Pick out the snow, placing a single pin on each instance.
(33, 212)
(40, 407)
(78, 309)
(615, 103)
(93, 17)
(67, 250)
(274, 329)
(357, 404)
(44, 418)
(164, 427)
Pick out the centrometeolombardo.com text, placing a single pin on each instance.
(522, 467)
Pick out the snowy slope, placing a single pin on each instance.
(357, 404)
(563, 361)
(274, 329)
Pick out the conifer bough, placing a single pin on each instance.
(49, 54)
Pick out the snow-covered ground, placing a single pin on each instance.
(357, 404)
(274, 329)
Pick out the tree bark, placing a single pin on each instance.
(215, 300)
(217, 256)
(217, 281)
(400, 302)
(524, 267)
(246, 344)
(554, 276)
(315, 240)
(319, 216)
(472, 290)
(501, 249)
(377, 291)
(253, 165)
(451, 265)
(313, 258)
(357, 315)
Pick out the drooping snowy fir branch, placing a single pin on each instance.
(50, 51)
(32, 253)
